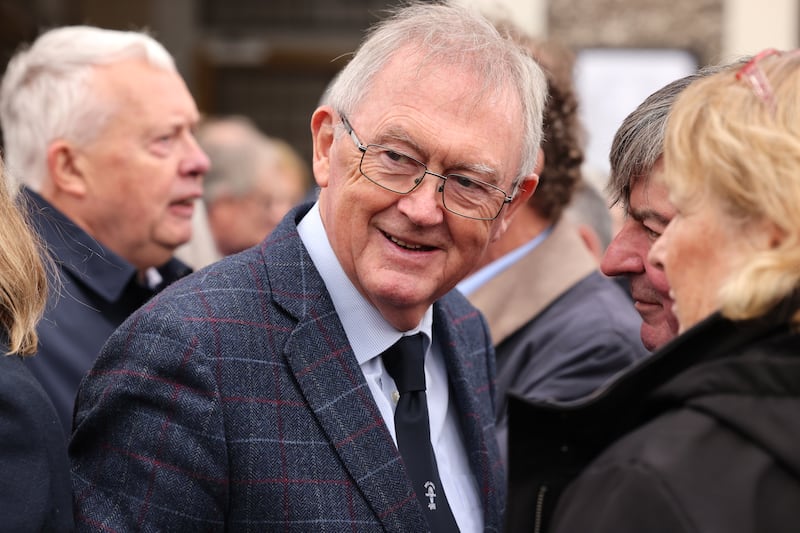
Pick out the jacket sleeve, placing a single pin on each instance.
(148, 449)
(620, 498)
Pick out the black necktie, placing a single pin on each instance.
(405, 362)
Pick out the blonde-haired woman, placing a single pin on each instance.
(705, 435)
(35, 489)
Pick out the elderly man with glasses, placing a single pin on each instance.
(275, 390)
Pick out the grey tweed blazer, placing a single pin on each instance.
(233, 401)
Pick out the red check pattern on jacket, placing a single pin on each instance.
(233, 401)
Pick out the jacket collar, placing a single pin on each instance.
(610, 411)
(550, 443)
(75, 251)
(522, 291)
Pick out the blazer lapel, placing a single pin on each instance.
(326, 370)
(472, 396)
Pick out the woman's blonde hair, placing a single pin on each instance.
(23, 279)
(728, 143)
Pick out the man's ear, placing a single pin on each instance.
(592, 241)
(322, 135)
(524, 192)
(64, 164)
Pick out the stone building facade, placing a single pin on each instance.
(271, 59)
(692, 25)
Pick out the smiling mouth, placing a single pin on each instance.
(407, 246)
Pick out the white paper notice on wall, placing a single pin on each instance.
(611, 82)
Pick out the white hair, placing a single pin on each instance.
(47, 94)
(454, 34)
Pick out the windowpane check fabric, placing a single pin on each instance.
(405, 362)
(233, 401)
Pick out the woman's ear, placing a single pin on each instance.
(776, 235)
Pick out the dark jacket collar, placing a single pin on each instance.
(621, 398)
(550, 443)
(77, 252)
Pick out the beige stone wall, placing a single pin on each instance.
(693, 25)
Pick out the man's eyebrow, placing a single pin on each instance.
(486, 173)
(648, 214)
(398, 134)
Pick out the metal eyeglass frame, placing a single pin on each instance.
(363, 149)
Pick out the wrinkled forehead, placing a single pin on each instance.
(439, 104)
(466, 75)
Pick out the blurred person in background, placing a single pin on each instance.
(702, 435)
(98, 125)
(292, 163)
(35, 494)
(589, 211)
(253, 182)
(560, 327)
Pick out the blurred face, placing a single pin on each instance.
(239, 222)
(699, 249)
(288, 190)
(142, 173)
(648, 213)
(403, 252)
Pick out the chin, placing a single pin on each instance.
(178, 237)
(654, 338)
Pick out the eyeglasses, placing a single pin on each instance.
(753, 74)
(401, 174)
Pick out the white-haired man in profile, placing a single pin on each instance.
(98, 126)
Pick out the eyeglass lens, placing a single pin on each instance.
(461, 195)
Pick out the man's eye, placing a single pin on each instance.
(397, 162)
(653, 234)
(465, 182)
(396, 157)
(162, 144)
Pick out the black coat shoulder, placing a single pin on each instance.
(35, 494)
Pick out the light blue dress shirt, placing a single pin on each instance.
(476, 280)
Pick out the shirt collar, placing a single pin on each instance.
(476, 280)
(358, 316)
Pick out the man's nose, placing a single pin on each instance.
(196, 162)
(621, 257)
(423, 205)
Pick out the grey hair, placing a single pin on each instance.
(454, 34)
(239, 153)
(639, 142)
(46, 92)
